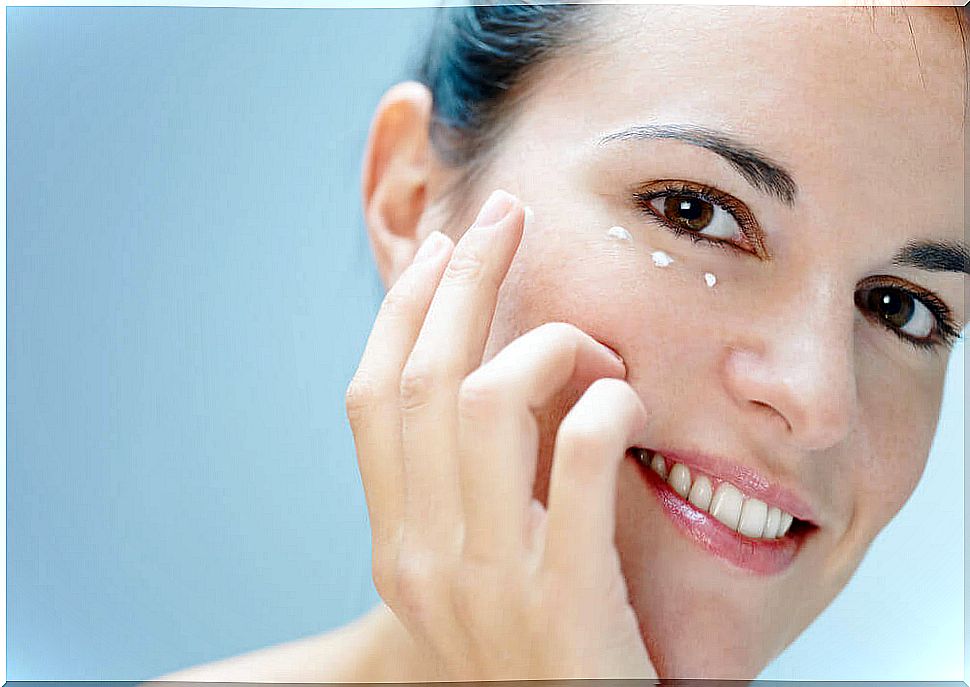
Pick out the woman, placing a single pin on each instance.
(647, 415)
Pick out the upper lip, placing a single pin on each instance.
(746, 478)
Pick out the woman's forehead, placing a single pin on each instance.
(884, 66)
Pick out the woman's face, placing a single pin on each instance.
(782, 373)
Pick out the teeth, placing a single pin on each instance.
(754, 513)
(771, 526)
(786, 521)
(726, 505)
(701, 493)
(747, 515)
(679, 479)
(658, 465)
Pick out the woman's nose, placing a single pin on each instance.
(793, 373)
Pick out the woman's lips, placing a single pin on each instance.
(759, 556)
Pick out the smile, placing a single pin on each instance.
(744, 514)
(735, 526)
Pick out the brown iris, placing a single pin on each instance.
(891, 305)
(691, 212)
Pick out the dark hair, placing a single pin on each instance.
(474, 65)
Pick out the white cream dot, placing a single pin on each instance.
(661, 259)
(710, 279)
(619, 233)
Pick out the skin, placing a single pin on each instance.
(776, 368)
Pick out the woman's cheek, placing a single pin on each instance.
(652, 304)
(898, 429)
(899, 408)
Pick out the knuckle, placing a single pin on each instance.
(385, 549)
(418, 381)
(479, 396)
(396, 301)
(410, 584)
(361, 394)
(383, 568)
(410, 601)
(417, 582)
(466, 265)
(424, 376)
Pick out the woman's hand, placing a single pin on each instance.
(488, 583)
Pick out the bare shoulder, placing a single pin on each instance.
(341, 655)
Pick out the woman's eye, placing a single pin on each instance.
(696, 215)
(900, 310)
(702, 213)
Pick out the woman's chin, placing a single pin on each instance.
(701, 616)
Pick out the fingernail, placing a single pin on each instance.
(496, 207)
(431, 246)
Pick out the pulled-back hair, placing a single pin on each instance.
(474, 64)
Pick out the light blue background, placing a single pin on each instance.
(189, 289)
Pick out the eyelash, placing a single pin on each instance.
(705, 193)
(947, 332)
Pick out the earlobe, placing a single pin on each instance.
(395, 176)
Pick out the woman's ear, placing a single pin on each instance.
(395, 176)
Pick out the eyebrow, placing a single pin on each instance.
(756, 167)
(936, 256)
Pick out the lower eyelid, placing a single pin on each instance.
(698, 238)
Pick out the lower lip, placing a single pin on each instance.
(761, 557)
